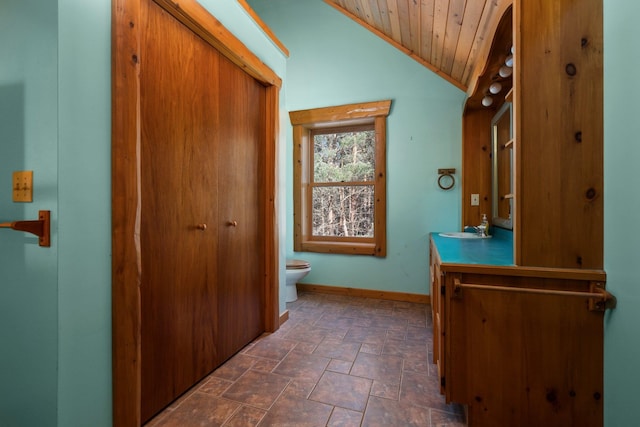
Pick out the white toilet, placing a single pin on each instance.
(296, 270)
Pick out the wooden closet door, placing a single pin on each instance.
(241, 235)
(179, 115)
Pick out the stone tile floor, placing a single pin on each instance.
(338, 361)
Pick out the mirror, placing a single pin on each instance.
(502, 167)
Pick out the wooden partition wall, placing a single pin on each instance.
(558, 101)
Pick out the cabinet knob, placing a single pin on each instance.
(233, 223)
(201, 227)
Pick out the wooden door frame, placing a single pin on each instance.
(126, 182)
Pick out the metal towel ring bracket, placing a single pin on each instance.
(446, 173)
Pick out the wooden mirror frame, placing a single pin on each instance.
(499, 146)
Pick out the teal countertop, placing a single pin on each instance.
(498, 250)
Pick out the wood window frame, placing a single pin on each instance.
(126, 64)
(304, 122)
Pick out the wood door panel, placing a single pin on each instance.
(524, 359)
(240, 303)
(179, 105)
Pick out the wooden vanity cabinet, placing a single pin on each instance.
(523, 345)
(519, 346)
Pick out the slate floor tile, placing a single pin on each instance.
(338, 361)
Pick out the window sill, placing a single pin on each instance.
(349, 248)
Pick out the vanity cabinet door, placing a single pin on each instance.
(523, 351)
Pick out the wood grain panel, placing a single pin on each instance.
(241, 203)
(405, 25)
(452, 34)
(394, 18)
(470, 24)
(179, 185)
(366, 12)
(415, 29)
(537, 272)
(376, 13)
(426, 26)
(384, 17)
(340, 112)
(201, 22)
(560, 134)
(440, 15)
(476, 164)
(524, 359)
(350, 5)
(125, 199)
(365, 293)
(270, 220)
(300, 174)
(380, 209)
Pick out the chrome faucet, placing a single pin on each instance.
(480, 230)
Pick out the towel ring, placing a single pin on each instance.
(444, 173)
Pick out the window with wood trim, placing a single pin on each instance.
(339, 190)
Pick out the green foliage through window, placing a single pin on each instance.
(345, 156)
(345, 159)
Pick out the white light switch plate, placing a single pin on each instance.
(475, 200)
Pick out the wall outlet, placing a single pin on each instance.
(475, 200)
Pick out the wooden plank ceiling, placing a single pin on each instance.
(450, 37)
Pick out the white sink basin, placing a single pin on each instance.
(464, 235)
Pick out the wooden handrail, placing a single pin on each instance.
(607, 300)
(40, 227)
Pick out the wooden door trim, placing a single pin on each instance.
(126, 181)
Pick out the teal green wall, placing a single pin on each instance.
(55, 119)
(84, 225)
(334, 61)
(622, 208)
(28, 284)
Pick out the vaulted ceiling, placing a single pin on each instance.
(450, 37)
